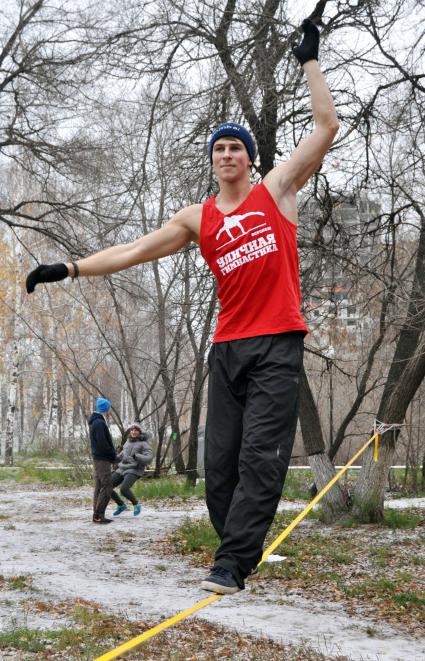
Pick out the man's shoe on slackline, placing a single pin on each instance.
(101, 519)
(221, 581)
(120, 509)
(137, 509)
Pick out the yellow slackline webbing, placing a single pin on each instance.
(318, 496)
(136, 642)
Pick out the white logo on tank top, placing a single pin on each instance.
(230, 222)
(258, 241)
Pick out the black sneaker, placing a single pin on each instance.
(220, 580)
(101, 519)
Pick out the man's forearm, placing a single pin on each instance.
(322, 104)
(107, 261)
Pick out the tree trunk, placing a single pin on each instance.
(199, 351)
(368, 502)
(334, 502)
(54, 409)
(68, 416)
(168, 379)
(11, 404)
(423, 471)
(192, 462)
(15, 360)
(161, 434)
(370, 487)
(1, 414)
(45, 412)
(21, 435)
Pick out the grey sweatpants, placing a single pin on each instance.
(251, 423)
(126, 482)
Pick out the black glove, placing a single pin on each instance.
(309, 47)
(46, 273)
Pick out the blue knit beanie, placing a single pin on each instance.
(236, 131)
(102, 405)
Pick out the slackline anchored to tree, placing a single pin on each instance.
(380, 428)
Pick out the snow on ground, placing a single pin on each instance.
(50, 537)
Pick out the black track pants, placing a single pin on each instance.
(251, 423)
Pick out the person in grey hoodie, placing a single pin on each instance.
(132, 460)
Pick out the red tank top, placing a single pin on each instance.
(253, 255)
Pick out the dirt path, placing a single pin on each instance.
(48, 536)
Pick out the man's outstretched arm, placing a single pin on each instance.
(179, 231)
(291, 176)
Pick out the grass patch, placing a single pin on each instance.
(27, 640)
(108, 547)
(339, 557)
(197, 538)
(403, 519)
(29, 471)
(407, 482)
(395, 519)
(53, 468)
(406, 599)
(19, 582)
(38, 458)
(51, 477)
(168, 487)
(97, 632)
(391, 591)
(8, 473)
(382, 555)
(74, 643)
(383, 587)
(54, 477)
(297, 485)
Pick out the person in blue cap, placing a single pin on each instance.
(247, 235)
(104, 455)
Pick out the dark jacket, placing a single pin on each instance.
(102, 446)
(135, 455)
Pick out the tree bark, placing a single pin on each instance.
(11, 404)
(334, 502)
(16, 358)
(370, 487)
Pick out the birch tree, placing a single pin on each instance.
(16, 355)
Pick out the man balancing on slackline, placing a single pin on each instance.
(247, 235)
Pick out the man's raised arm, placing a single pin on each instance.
(291, 176)
(179, 231)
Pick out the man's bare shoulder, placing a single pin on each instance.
(189, 218)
